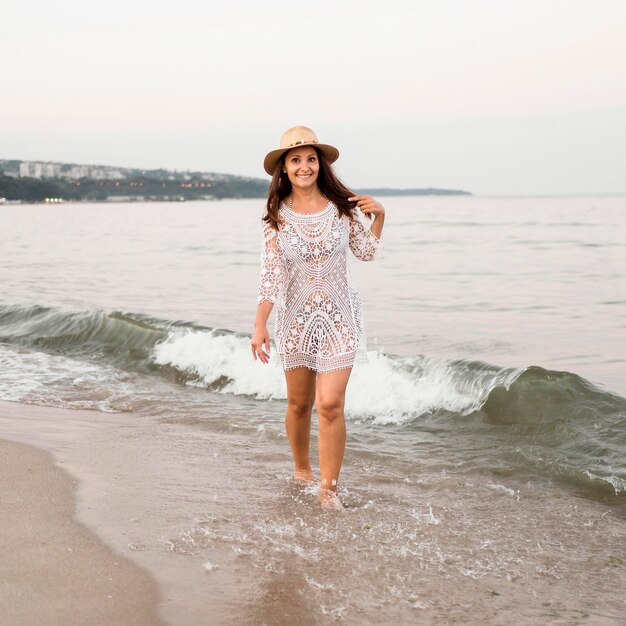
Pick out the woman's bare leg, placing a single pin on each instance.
(329, 401)
(300, 398)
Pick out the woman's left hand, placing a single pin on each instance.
(368, 205)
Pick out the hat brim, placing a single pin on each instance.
(273, 158)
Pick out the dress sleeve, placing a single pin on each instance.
(363, 243)
(272, 266)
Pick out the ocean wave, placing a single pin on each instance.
(82, 332)
(405, 387)
(221, 360)
(556, 420)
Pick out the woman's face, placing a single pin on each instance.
(302, 167)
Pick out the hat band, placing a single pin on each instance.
(297, 143)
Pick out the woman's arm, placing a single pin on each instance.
(272, 276)
(366, 243)
(371, 206)
(272, 266)
(261, 336)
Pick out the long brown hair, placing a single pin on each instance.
(327, 182)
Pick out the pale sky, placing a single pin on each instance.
(491, 96)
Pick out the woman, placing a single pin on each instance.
(311, 220)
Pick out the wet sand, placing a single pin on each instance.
(53, 570)
(204, 503)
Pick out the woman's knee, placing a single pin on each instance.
(299, 408)
(329, 408)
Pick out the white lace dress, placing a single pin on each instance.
(305, 273)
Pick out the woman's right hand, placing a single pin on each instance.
(260, 338)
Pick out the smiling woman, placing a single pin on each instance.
(312, 219)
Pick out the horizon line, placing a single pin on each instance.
(558, 194)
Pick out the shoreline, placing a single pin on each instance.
(53, 569)
(172, 200)
(207, 508)
(113, 480)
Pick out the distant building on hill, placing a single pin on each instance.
(38, 169)
(97, 172)
(70, 171)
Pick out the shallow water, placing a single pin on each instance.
(485, 474)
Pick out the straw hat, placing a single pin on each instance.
(294, 138)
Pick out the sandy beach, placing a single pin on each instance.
(111, 490)
(53, 569)
(202, 544)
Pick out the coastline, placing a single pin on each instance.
(124, 488)
(395, 193)
(53, 569)
(207, 508)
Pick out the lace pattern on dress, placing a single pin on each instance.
(319, 321)
(272, 266)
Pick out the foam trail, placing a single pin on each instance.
(223, 362)
(62, 381)
(415, 386)
(419, 385)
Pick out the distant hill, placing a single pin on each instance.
(34, 181)
(39, 181)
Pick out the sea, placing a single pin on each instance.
(485, 472)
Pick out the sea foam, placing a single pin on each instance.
(388, 389)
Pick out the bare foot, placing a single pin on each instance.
(304, 476)
(330, 500)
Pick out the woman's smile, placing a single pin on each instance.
(302, 166)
